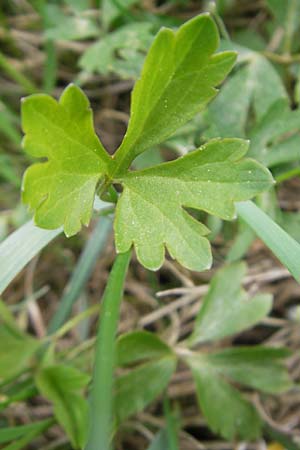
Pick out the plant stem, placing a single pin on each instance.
(101, 397)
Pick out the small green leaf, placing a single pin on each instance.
(177, 81)
(61, 191)
(62, 385)
(150, 212)
(224, 408)
(134, 391)
(226, 308)
(139, 346)
(258, 367)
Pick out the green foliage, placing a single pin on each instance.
(61, 190)
(136, 387)
(256, 85)
(258, 367)
(210, 179)
(62, 385)
(121, 51)
(184, 62)
(16, 348)
(63, 133)
(275, 138)
(12, 433)
(226, 411)
(282, 244)
(72, 26)
(112, 9)
(138, 347)
(161, 208)
(160, 442)
(227, 308)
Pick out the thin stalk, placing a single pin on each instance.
(101, 397)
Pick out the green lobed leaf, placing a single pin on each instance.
(226, 308)
(133, 391)
(227, 412)
(62, 385)
(258, 367)
(177, 81)
(140, 345)
(61, 191)
(150, 211)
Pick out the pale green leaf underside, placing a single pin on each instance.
(227, 412)
(150, 211)
(258, 367)
(139, 387)
(61, 190)
(177, 81)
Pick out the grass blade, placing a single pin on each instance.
(282, 244)
(20, 247)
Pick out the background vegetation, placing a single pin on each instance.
(49, 311)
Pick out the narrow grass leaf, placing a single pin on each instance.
(20, 247)
(279, 242)
(11, 433)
